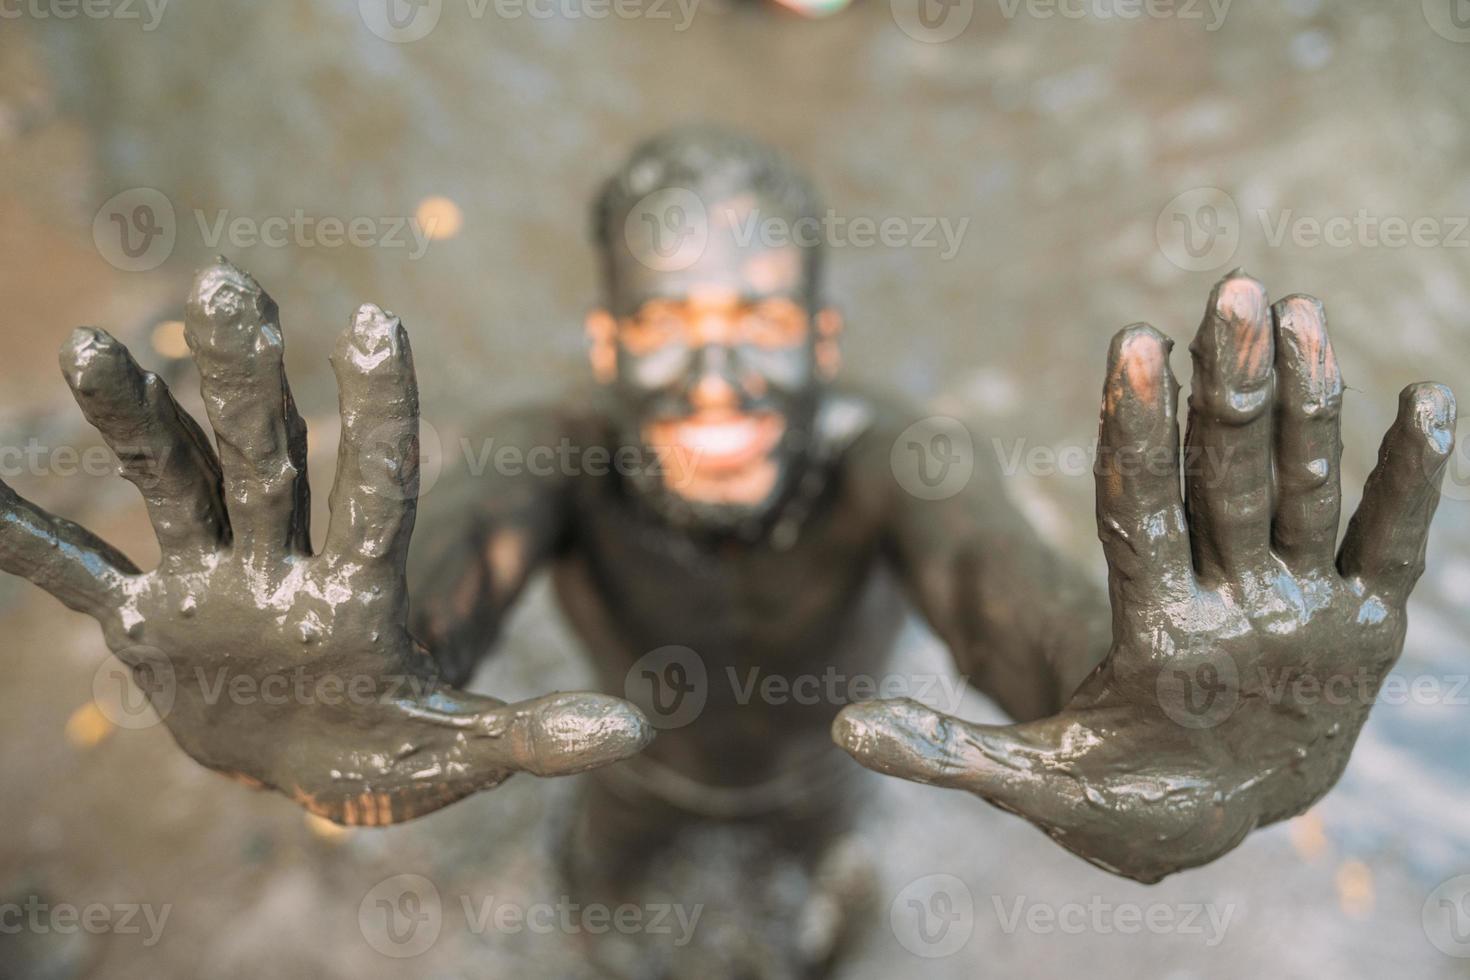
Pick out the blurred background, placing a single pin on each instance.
(1102, 162)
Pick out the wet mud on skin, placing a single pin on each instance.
(1061, 140)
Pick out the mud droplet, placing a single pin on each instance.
(309, 634)
(189, 606)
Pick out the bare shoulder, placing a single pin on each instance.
(560, 425)
(914, 457)
(860, 426)
(508, 467)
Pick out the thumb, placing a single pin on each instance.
(561, 734)
(909, 740)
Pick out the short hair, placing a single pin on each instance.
(715, 164)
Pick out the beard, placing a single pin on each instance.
(739, 514)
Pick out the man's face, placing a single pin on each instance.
(716, 366)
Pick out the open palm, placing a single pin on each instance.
(1247, 647)
(285, 668)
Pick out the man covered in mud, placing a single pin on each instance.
(772, 521)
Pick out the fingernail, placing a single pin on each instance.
(1143, 358)
(86, 352)
(375, 329)
(573, 729)
(374, 338)
(1240, 307)
(1433, 409)
(83, 344)
(854, 728)
(223, 291)
(1303, 325)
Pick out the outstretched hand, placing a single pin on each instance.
(285, 668)
(1247, 647)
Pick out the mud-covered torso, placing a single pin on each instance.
(779, 631)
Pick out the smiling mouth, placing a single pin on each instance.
(720, 442)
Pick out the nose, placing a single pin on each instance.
(714, 386)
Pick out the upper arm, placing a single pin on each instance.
(498, 513)
(1023, 624)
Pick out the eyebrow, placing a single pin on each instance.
(741, 299)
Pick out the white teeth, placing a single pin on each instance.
(719, 438)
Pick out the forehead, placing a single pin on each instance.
(732, 248)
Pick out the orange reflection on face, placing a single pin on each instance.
(714, 317)
(719, 452)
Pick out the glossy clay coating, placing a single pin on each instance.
(1237, 578)
(1237, 583)
(238, 595)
